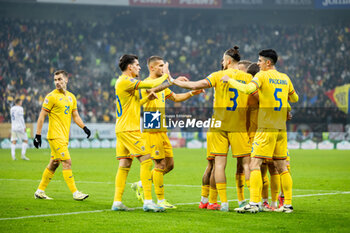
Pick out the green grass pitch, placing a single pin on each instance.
(321, 196)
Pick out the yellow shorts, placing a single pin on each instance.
(288, 156)
(209, 142)
(59, 149)
(218, 143)
(159, 144)
(270, 144)
(251, 138)
(130, 144)
(240, 144)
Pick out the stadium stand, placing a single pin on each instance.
(315, 57)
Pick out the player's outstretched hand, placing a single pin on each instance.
(152, 96)
(225, 79)
(37, 141)
(182, 78)
(166, 68)
(87, 131)
(197, 92)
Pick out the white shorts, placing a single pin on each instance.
(17, 135)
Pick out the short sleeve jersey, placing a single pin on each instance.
(128, 104)
(230, 105)
(60, 107)
(274, 89)
(157, 105)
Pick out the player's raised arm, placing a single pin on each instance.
(208, 82)
(201, 84)
(167, 84)
(245, 88)
(147, 84)
(185, 96)
(151, 96)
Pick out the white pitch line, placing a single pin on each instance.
(49, 215)
(322, 194)
(178, 204)
(165, 185)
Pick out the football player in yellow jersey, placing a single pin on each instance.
(157, 139)
(270, 142)
(242, 175)
(253, 103)
(252, 115)
(60, 105)
(130, 143)
(230, 108)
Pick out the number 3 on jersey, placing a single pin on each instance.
(277, 99)
(120, 110)
(234, 99)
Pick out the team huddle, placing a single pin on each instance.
(252, 106)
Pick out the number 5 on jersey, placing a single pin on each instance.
(277, 99)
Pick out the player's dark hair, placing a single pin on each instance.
(58, 72)
(269, 54)
(253, 69)
(246, 63)
(234, 53)
(17, 101)
(126, 60)
(154, 58)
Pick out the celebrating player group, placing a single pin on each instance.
(250, 101)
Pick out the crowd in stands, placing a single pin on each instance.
(314, 56)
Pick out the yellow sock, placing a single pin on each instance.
(158, 182)
(287, 184)
(145, 175)
(120, 180)
(152, 173)
(275, 186)
(240, 186)
(213, 195)
(265, 187)
(255, 186)
(221, 187)
(205, 191)
(45, 179)
(69, 178)
(247, 182)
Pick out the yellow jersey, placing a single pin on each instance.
(274, 88)
(253, 114)
(128, 104)
(230, 106)
(60, 107)
(156, 105)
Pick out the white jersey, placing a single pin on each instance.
(17, 119)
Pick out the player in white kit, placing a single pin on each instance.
(18, 129)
